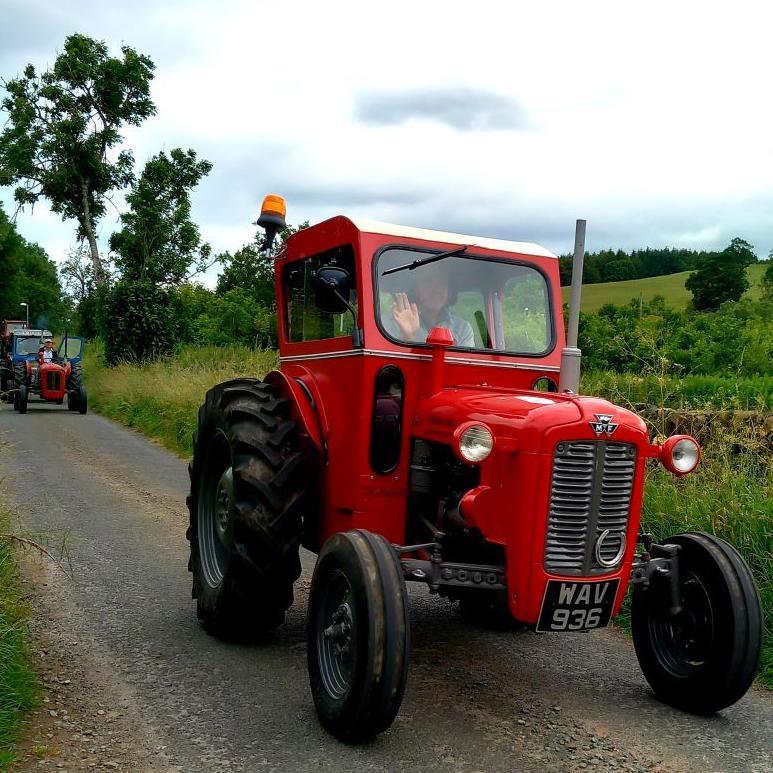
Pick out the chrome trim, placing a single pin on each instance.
(590, 500)
(411, 356)
(609, 563)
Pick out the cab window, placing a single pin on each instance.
(305, 321)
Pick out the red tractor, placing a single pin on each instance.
(425, 426)
(38, 369)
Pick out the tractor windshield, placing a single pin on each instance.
(486, 303)
(27, 345)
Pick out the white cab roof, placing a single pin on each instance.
(406, 231)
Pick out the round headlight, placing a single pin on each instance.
(474, 442)
(680, 454)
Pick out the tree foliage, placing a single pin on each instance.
(28, 275)
(737, 340)
(159, 242)
(140, 321)
(64, 127)
(618, 265)
(721, 276)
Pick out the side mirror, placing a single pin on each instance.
(332, 286)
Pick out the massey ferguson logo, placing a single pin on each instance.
(603, 425)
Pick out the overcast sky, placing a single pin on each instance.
(654, 121)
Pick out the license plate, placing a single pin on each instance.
(577, 606)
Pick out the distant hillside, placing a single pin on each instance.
(671, 287)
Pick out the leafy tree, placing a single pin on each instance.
(140, 321)
(721, 276)
(251, 269)
(28, 275)
(64, 127)
(159, 242)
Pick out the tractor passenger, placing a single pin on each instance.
(412, 321)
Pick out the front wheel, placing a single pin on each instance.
(358, 636)
(705, 657)
(21, 399)
(83, 400)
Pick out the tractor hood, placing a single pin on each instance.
(526, 421)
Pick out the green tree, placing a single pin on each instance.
(159, 242)
(721, 276)
(154, 251)
(28, 275)
(63, 129)
(252, 269)
(139, 321)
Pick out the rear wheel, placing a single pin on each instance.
(358, 637)
(704, 658)
(247, 494)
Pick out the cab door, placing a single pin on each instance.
(71, 349)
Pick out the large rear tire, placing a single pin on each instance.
(704, 658)
(246, 500)
(358, 637)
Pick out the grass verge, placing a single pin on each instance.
(162, 399)
(729, 496)
(18, 682)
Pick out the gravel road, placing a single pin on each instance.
(477, 700)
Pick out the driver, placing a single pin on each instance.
(47, 353)
(412, 320)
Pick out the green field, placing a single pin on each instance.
(671, 287)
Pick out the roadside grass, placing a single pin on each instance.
(162, 399)
(19, 687)
(731, 495)
(670, 286)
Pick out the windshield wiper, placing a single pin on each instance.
(423, 262)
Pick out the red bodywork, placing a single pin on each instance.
(331, 386)
(51, 379)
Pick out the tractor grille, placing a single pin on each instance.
(53, 381)
(590, 493)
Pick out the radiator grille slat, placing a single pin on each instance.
(591, 490)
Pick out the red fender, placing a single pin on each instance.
(301, 408)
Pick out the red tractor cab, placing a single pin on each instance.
(425, 426)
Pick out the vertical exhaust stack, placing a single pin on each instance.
(569, 380)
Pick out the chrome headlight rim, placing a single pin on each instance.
(473, 442)
(680, 454)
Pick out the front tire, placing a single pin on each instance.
(704, 658)
(83, 400)
(21, 399)
(246, 500)
(358, 637)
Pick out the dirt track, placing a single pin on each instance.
(477, 700)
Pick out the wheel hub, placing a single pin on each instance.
(339, 633)
(216, 522)
(223, 503)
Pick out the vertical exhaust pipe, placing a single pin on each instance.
(569, 380)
